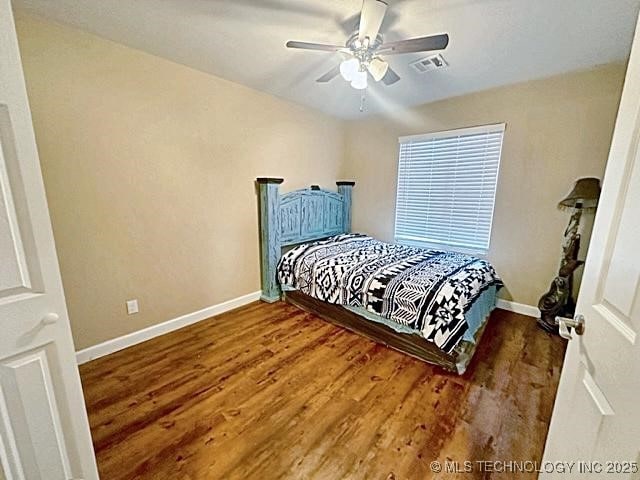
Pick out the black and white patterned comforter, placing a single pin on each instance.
(426, 290)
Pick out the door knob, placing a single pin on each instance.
(566, 324)
(50, 319)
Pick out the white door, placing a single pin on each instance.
(44, 432)
(596, 418)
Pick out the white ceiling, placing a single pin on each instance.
(493, 42)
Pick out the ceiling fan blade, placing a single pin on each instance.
(371, 19)
(378, 68)
(351, 24)
(390, 77)
(330, 75)
(420, 44)
(314, 46)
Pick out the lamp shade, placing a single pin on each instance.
(359, 80)
(378, 68)
(585, 194)
(349, 69)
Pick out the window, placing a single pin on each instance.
(447, 188)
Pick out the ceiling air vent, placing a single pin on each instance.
(427, 64)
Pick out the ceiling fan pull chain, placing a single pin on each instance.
(362, 100)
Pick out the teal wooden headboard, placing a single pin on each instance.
(296, 217)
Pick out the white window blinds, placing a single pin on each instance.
(447, 187)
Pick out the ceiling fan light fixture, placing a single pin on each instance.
(378, 68)
(349, 69)
(359, 81)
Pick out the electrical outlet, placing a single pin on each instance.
(132, 307)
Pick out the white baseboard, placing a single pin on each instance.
(520, 308)
(110, 346)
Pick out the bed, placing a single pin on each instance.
(430, 304)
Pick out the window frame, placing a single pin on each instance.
(474, 130)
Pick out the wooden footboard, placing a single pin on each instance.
(413, 345)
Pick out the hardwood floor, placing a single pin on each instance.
(269, 391)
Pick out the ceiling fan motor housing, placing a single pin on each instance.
(363, 51)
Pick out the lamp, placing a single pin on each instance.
(558, 301)
(584, 195)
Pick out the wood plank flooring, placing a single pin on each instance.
(269, 391)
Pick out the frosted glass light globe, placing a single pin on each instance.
(349, 69)
(359, 81)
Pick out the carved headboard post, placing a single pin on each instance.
(270, 248)
(344, 189)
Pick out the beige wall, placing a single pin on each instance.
(149, 169)
(558, 129)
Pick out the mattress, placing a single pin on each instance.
(440, 295)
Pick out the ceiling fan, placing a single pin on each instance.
(365, 48)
